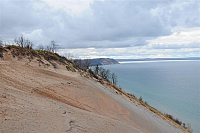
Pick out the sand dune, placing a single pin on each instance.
(39, 99)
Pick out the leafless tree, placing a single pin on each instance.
(24, 43)
(87, 63)
(78, 62)
(48, 48)
(96, 69)
(40, 47)
(28, 44)
(189, 127)
(1, 42)
(105, 73)
(53, 47)
(20, 41)
(114, 78)
(69, 56)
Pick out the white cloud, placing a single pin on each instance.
(36, 35)
(187, 38)
(72, 7)
(117, 53)
(159, 56)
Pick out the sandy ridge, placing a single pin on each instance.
(34, 99)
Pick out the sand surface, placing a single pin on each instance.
(39, 99)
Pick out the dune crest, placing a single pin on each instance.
(36, 96)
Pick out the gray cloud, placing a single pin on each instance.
(179, 13)
(17, 17)
(122, 20)
(108, 24)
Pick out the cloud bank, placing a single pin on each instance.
(91, 28)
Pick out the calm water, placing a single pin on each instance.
(172, 87)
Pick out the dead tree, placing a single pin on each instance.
(1, 43)
(24, 43)
(114, 78)
(87, 63)
(104, 73)
(53, 47)
(40, 47)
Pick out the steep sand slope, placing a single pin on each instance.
(35, 99)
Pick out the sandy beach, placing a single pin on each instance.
(39, 99)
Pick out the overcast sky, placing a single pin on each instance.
(106, 28)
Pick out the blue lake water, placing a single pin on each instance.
(172, 87)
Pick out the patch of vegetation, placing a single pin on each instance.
(188, 127)
(140, 99)
(47, 65)
(17, 51)
(70, 67)
(53, 58)
(48, 55)
(12, 47)
(62, 59)
(146, 103)
(172, 118)
(1, 51)
(54, 65)
(24, 48)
